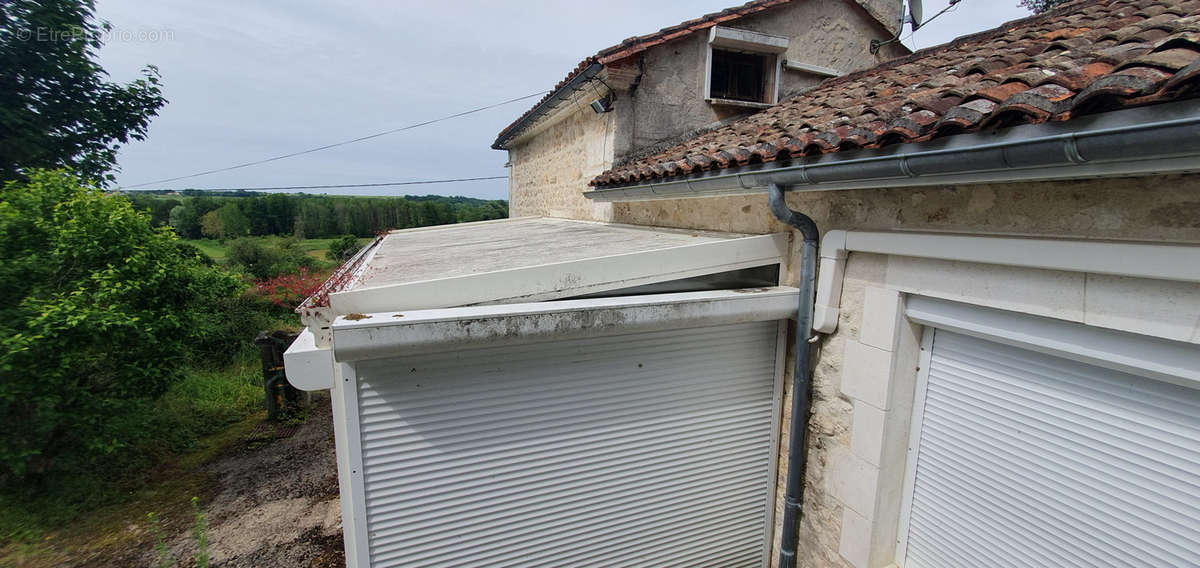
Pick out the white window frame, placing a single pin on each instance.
(1151, 357)
(914, 444)
(1045, 278)
(745, 41)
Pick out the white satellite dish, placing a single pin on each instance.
(914, 14)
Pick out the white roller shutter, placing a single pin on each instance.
(643, 449)
(1028, 459)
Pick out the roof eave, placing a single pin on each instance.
(562, 93)
(1150, 140)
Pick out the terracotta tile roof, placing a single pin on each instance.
(638, 44)
(1086, 57)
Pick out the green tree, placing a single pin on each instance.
(341, 249)
(225, 222)
(185, 221)
(158, 206)
(1039, 6)
(56, 107)
(100, 311)
(210, 225)
(234, 223)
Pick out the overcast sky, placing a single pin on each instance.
(251, 79)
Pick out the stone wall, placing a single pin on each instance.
(548, 170)
(1163, 208)
(670, 99)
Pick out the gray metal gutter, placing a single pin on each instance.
(1143, 141)
(545, 106)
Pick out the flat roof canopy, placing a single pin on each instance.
(537, 258)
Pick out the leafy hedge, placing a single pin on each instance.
(101, 311)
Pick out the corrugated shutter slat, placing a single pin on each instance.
(1027, 459)
(643, 449)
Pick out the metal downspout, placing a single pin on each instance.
(801, 375)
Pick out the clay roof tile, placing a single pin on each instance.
(1088, 56)
(1186, 79)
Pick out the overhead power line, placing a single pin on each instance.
(336, 144)
(345, 185)
(876, 44)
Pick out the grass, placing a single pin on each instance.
(215, 249)
(218, 250)
(316, 248)
(204, 400)
(203, 413)
(167, 491)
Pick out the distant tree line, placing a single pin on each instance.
(195, 214)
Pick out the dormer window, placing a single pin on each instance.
(738, 76)
(743, 67)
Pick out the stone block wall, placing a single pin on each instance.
(548, 171)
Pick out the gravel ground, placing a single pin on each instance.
(274, 503)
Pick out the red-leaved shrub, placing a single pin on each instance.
(288, 290)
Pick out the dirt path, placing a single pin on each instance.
(272, 503)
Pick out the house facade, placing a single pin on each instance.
(939, 312)
(1126, 71)
(660, 88)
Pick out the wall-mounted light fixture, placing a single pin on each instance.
(602, 105)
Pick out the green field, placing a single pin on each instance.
(215, 249)
(218, 250)
(316, 247)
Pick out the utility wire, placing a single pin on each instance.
(343, 185)
(876, 44)
(336, 144)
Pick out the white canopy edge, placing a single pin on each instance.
(392, 334)
(307, 366)
(569, 278)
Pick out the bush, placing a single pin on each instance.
(343, 248)
(287, 291)
(263, 260)
(253, 257)
(102, 308)
(231, 324)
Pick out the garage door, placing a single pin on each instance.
(643, 449)
(1031, 459)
